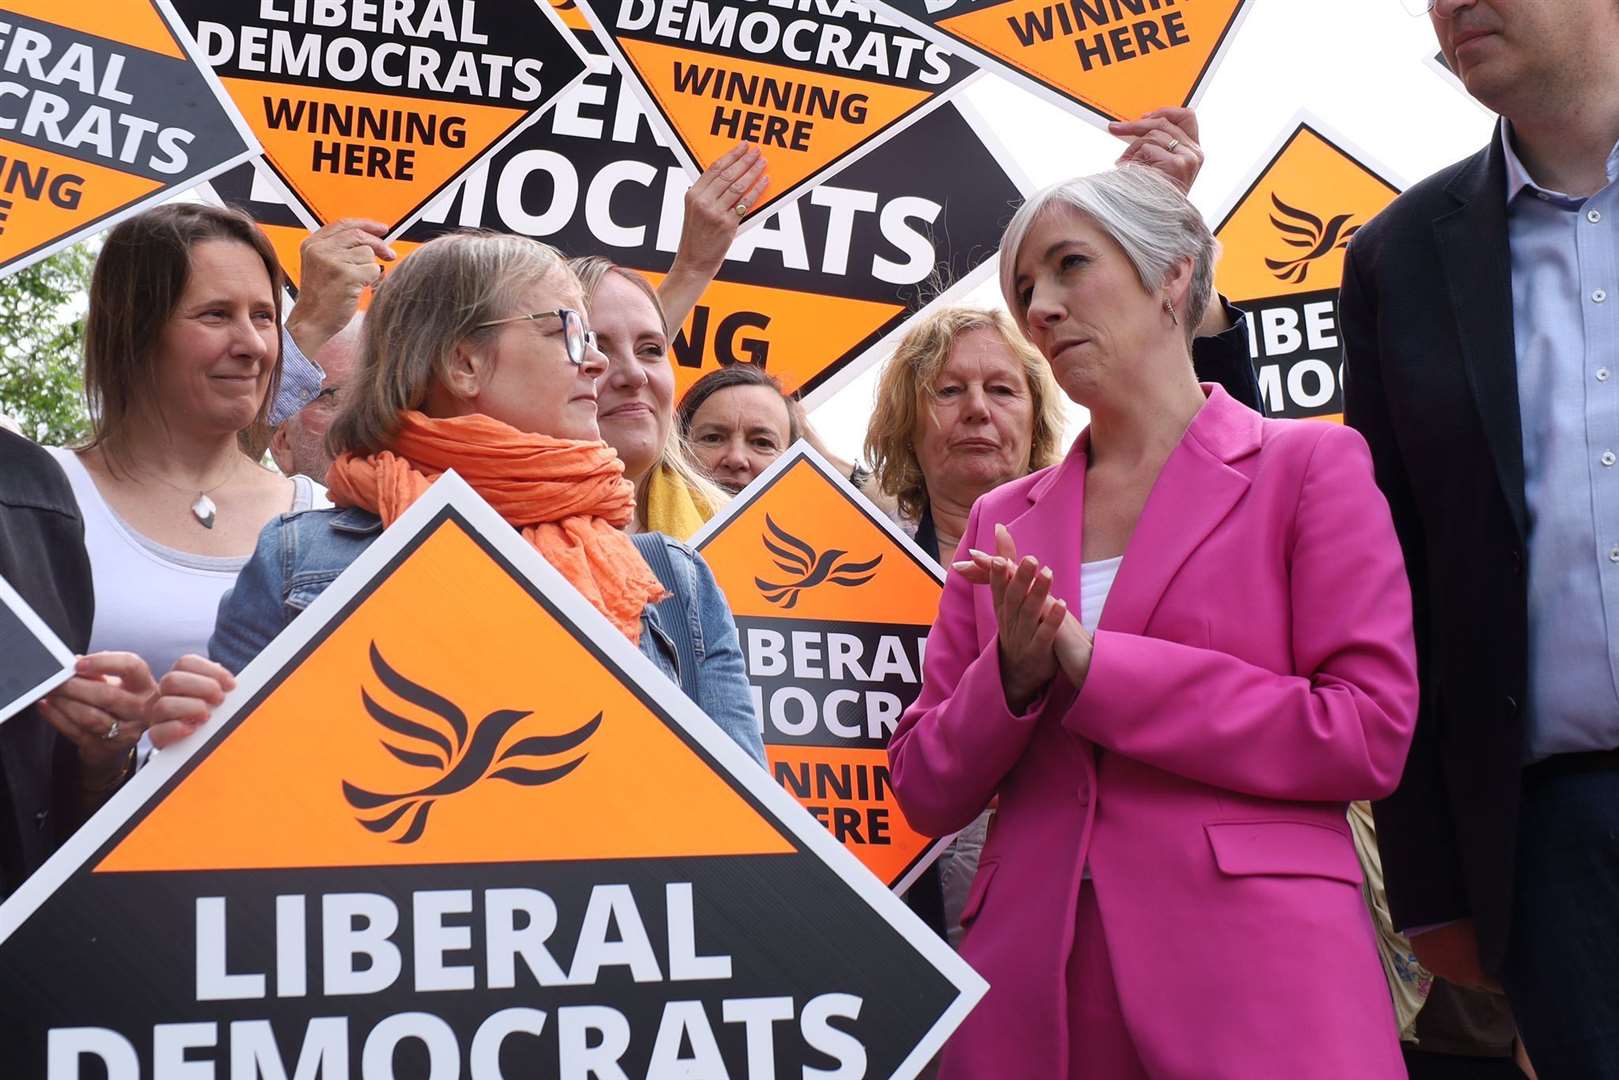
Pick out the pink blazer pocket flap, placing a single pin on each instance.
(1283, 848)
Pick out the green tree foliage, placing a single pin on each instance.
(42, 347)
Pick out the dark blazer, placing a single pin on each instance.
(1426, 314)
(42, 556)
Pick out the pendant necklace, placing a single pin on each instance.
(202, 507)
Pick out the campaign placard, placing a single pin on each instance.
(833, 604)
(370, 109)
(815, 293)
(33, 660)
(815, 84)
(103, 110)
(452, 823)
(1101, 59)
(1282, 260)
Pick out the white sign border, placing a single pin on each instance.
(63, 655)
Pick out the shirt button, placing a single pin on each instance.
(1599, 295)
(1613, 554)
(1593, 216)
(1602, 374)
(1608, 457)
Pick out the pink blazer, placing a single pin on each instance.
(1254, 671)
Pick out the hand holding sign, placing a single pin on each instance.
(189, 692)
(715, 207)
(102, 709)
(338, 262)
(1166, 140)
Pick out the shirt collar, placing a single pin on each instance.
(1518, 176)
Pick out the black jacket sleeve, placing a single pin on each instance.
(1224, 358)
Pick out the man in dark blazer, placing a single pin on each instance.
(1480, 314)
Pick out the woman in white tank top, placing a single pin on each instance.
(182, 356)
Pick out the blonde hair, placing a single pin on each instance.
(1145, 214)
(434, 300)
(915, 366)
(675, 457)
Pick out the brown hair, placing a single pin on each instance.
(891, 435)
(435, 299)
(139, 277)
(724, 378)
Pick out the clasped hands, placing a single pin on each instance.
(1037, 634)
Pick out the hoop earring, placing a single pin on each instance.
(1169, 309)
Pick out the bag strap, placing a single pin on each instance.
(672, 608)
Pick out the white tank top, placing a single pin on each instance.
(153, 600)
(1095, 582)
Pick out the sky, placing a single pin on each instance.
(1361, 68)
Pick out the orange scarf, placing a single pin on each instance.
(568, 498)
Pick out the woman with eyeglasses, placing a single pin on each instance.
(477, 356)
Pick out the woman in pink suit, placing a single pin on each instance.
(1169, 889)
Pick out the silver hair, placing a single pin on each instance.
(1145, 214)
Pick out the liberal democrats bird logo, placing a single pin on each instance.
(796, 557)
(1305, 230)
(457, 757)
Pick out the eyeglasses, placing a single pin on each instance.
(1418, 7)
(575, 337)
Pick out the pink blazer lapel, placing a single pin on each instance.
(1194, 493)
(1053, 524)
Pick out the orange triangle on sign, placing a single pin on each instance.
(448, 714)
(1289, 231)
(803, 527)
(363, 174)
(135, 23)
(92, 192)
(798, 147)
(1117, 64)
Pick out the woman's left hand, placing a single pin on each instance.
(102, 709)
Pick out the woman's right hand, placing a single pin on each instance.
(186, 699)
(1027, 617)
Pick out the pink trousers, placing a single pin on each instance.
(1099, 1046)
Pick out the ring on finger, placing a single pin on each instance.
(1172, 144)
(112, 731)
(741, 208)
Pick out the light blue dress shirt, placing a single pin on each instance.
(300, 381)
(1565, 312)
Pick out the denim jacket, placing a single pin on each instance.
(299, 554)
